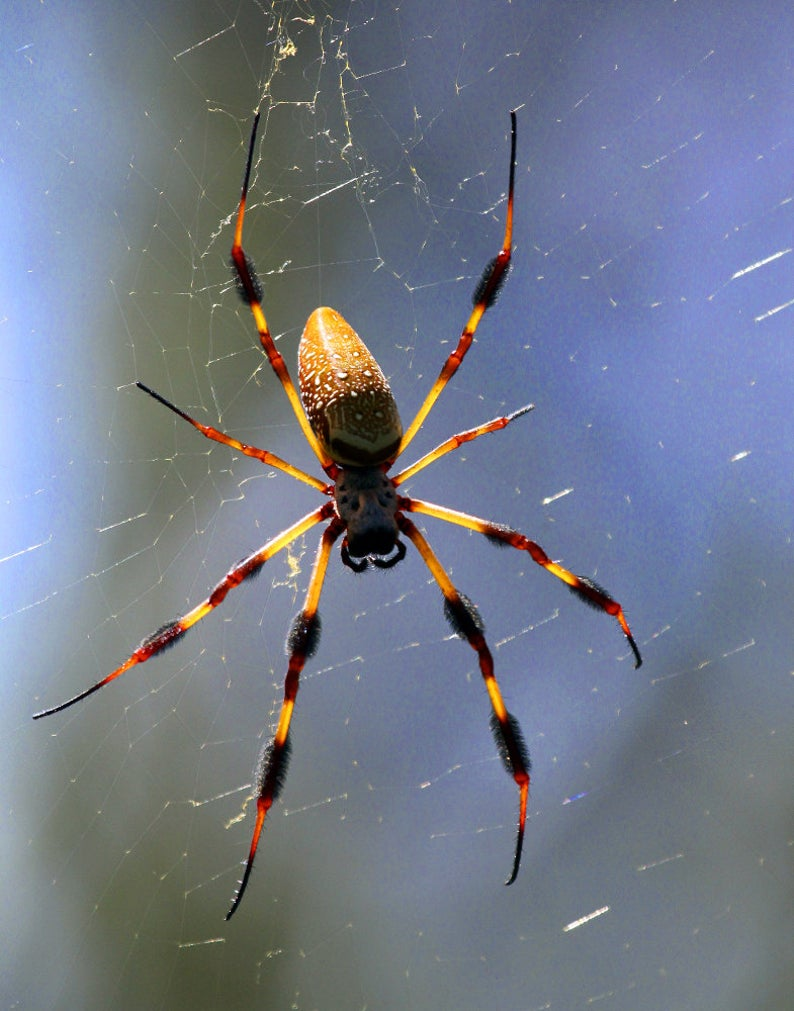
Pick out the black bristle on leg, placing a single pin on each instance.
(489, 286)
(463, 617)
(249, 289)
(503, 747)
(493, 535)
(164, 637)
(271, 769)
(582, 592)
(304, 636)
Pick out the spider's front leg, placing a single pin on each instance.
(302, 642)
(466, 623)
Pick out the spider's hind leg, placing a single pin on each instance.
(302, 643)
(466, 622)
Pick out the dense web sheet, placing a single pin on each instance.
(648, 317)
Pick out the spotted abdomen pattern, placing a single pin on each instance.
(346, 396)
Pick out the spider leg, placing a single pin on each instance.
(485, 294)
(269, 459)
(586, 589)
(302, 643)
(251, 292)
(456, 441)
(168, 634)
(466, 623)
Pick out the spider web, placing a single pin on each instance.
(648, 318)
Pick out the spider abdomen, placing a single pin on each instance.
(345, 394)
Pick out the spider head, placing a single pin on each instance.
(367, 503)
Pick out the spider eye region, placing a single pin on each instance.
(345, 394)
(367, 504)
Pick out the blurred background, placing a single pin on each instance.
(648, 317)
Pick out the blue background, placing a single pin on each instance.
(648, 317)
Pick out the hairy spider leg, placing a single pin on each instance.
(485, 294)
(251, 292)
(586, 589)
(456, 441)
(302, 643)
(168, 634)
(466, 622)
(269, 459)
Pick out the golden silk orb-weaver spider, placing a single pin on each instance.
(350, 420)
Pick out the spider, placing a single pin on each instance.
(350, 420)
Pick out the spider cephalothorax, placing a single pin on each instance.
(366, 500)
(350, 419)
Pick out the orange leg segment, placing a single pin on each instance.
(456, 441)
(269, 459)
